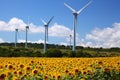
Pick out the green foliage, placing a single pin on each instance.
(80, 53)
(19, 52)
(72, 54)
(36, 50)
(53, 53)
(104, 75)
(67, 53)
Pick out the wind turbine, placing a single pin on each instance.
(16, 32)
(75, 14)
(70, 40)
(27, 27)
(46, 24)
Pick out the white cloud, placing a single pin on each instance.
(59, 31)
(1, 40)
(14, 23)
(3, 26)
(64, 32)
(39, 41)
(56, 30)
(23, 41)
(62, 43)
(107, 37)
(36, 29)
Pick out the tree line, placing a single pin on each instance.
(36, 50)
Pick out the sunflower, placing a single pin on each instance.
(10, 67)
(20, 73)
(34, 72)
(15, 78)
(21, 66)
(2, 77)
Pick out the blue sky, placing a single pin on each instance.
(98, 25)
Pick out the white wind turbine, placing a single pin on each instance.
(76, 13)
(16, 36)
(27, 27)
(46, 24)
(70, 40)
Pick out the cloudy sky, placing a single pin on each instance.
(98, 25)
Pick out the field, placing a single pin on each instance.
(21, 68)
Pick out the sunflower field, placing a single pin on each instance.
(23, 68)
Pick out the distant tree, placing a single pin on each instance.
(80, 53)
(53, 53)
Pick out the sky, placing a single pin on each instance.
(98, 25)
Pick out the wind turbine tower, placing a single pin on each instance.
(75, 14)
(46, 24)
(27, 27)
(16, 32)
(70, 40)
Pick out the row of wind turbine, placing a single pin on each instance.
(46, 24)
(17, 34)
(26, 37)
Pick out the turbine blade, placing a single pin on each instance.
(69, 7)
(43, 22)
(50, 20)
(84, 7)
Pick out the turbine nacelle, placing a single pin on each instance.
(16, 30)
(46, 25)
(75, 13)
(27, 27)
